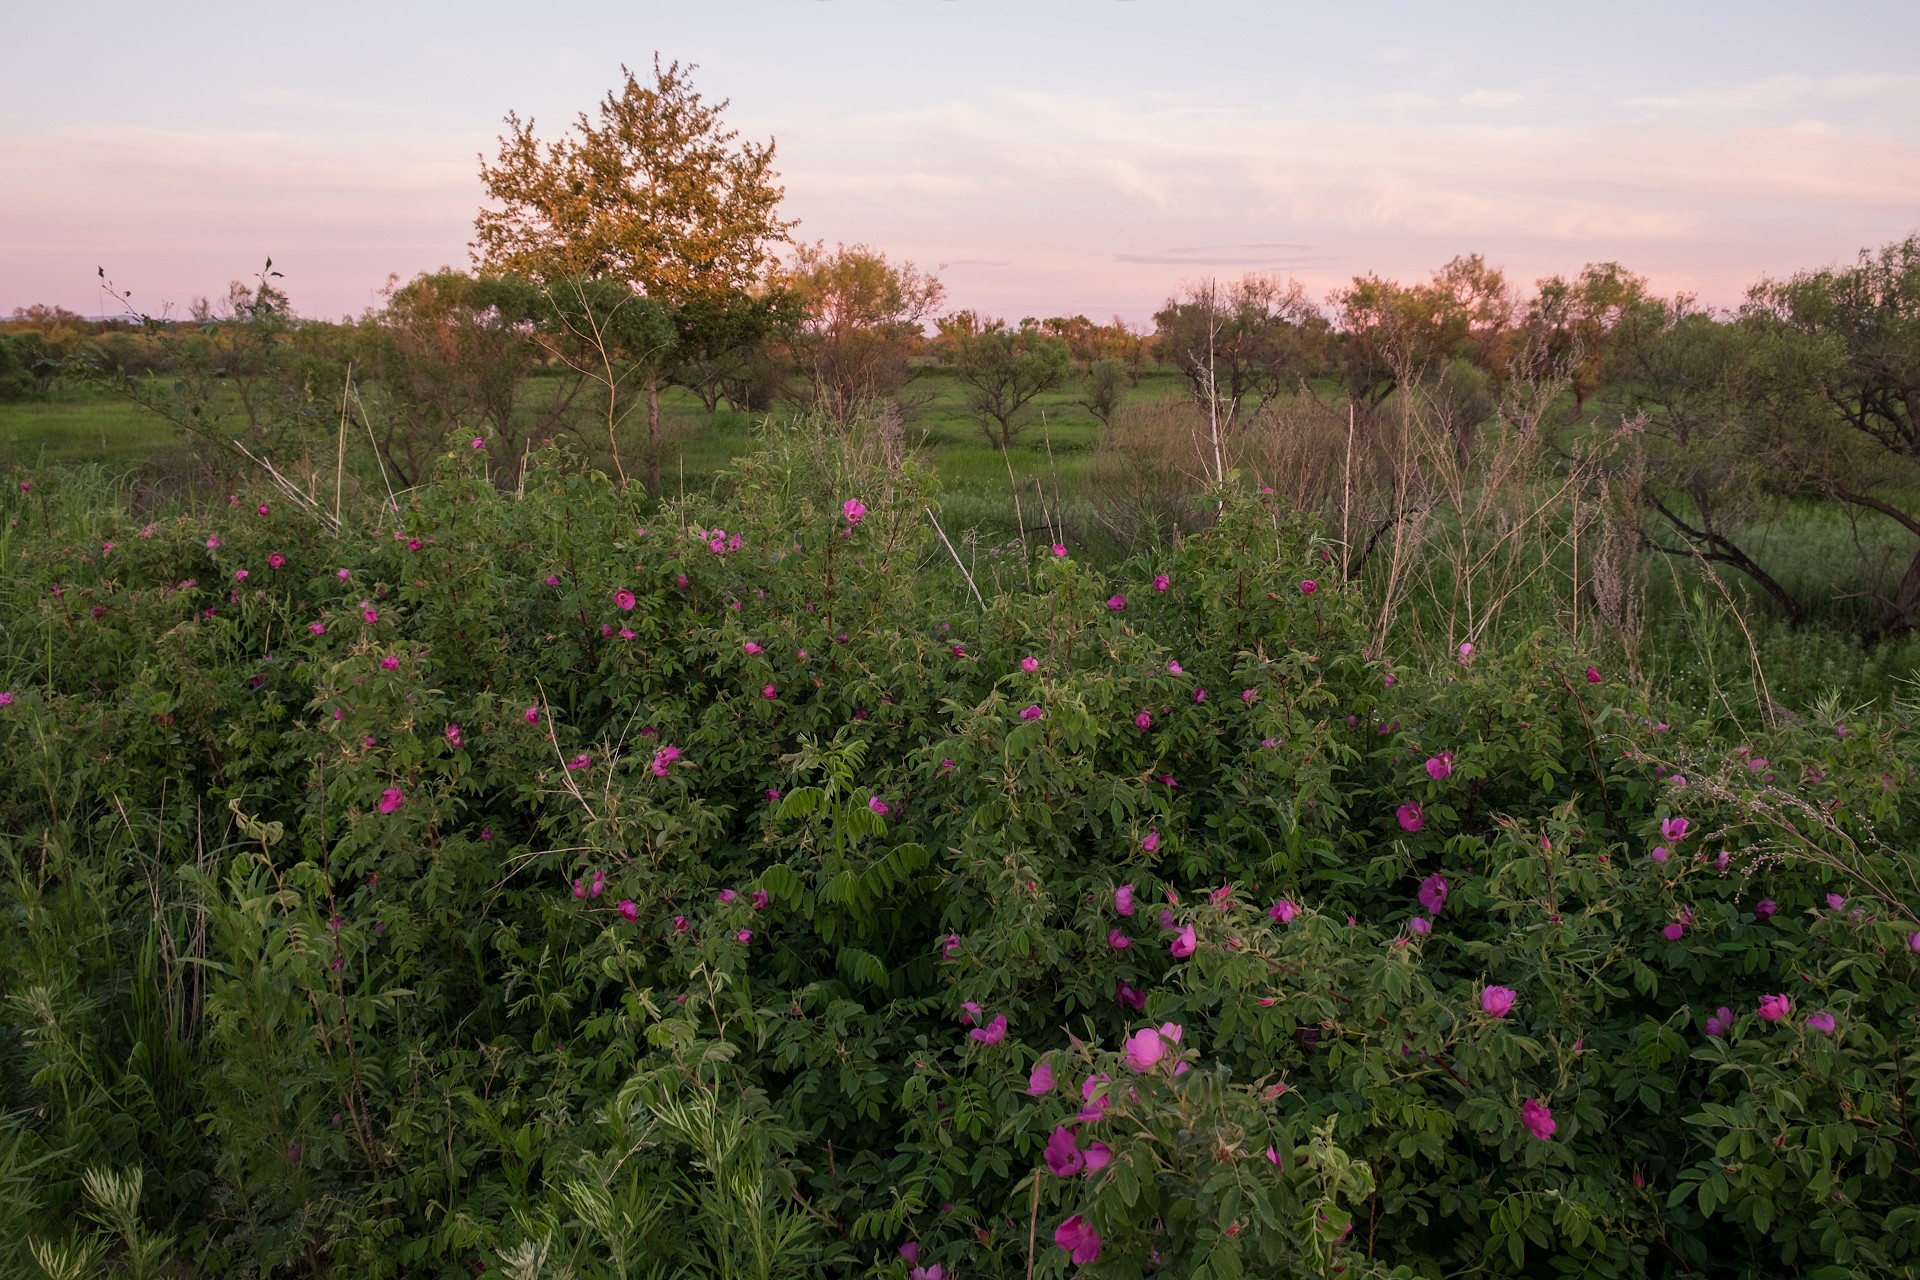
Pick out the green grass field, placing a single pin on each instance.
(81, 429)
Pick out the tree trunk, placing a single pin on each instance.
(653, 434)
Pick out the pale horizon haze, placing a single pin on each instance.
(1046, 158)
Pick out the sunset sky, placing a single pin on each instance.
(1065, 156)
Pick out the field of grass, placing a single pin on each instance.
(80, 428)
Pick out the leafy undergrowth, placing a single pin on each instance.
(568, 886)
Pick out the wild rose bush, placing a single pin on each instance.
(570, 886)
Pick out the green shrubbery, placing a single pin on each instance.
(569, 885)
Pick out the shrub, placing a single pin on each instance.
(566, 885)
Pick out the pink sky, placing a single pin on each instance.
(1072, 191)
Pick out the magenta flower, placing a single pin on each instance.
(744, 936)
(1411, 817)
(680, 924)
(1497, 1002)
(759, 899)
(1774, 1008)
(663, 760)
(1720, 1022)
(1063, 1154)
(274, 561)
(368, 612)
(478, 443)
(1283, 911)
(1835, 902)
(579, 762)
(1538, 1119)
(454, 737)
(1029, 665)
(1059, 549)
(1118, 940)
(1079, 1239)
(993, 1033)
(1143, 721)
(532, 715)
(1440, 767)
(1308, 586)
(624, 598)
(727, 897)
(1674, 829)
(1129, 998)
(1199, 695)
(1822, 1022)
(318, 628)
(910, 1251)
(879, 806)
(855, 510)
(1674, 932)
(629, 910)
(769, 692)
(1030, 713)
(950, 946)
(1763, 911)
(1659, 853)
(1123, 900)
(751, 648)
(1466, 653)
(1173, 668)
(1433, 893)
(1040, 1082)
(1151, 841)
(1913, 942)
(1183, 946)
(1098, 1156)
(1116, 603)
(1420, 925)
(390, 663)
(1593, 675)
(1248, 695)
(392, 798)
(579, 889)
(1160, 582)
(1144, 1050)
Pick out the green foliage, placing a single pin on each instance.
(571, 885)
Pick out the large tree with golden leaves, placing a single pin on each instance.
(657, 194)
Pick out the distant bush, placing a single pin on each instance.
(573, 886)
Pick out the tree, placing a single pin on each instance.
(1002, 369)
(1255, 338)
(1686, 378)
(856, 319)
(721, 347)
(656, 195)
(1574, 327)
(453, 352)
(1392, 333)
(1843, 388)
